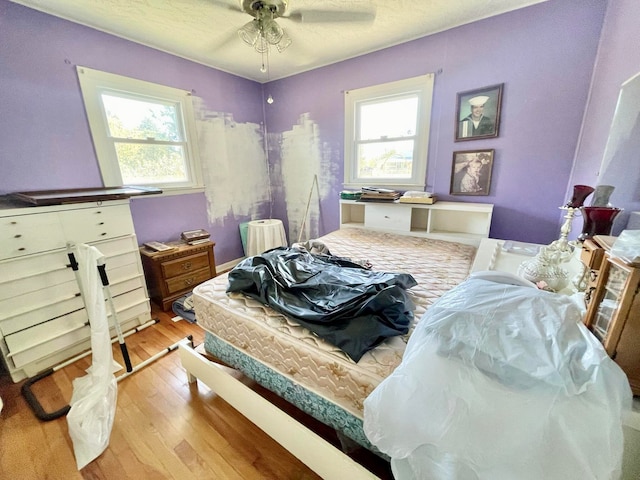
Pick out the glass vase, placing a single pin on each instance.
(580, 193)
(601, 196)
(597, 221)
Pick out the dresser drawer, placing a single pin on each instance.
(28, 234)
(24, 310)
(63, 332)
(37, 272)
(32, 308)
(187, 282)
(591, 255)
(387, 217)
(34, 272)
(180, 266)
(92, 224)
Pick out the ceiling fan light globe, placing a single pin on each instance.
(272, 32)
(250, 33)
(261, 46)
(284, 42)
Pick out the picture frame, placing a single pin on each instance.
(471, 172)
(478, 113)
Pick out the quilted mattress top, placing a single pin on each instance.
(293, 351)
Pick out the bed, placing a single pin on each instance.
(286, 358)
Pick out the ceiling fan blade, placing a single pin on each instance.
(331, 16)
(227, 5)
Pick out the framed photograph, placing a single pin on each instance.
(471, 172)
(478, 113)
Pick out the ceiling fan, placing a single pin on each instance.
(263, 31)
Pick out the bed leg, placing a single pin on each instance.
(347, 444)
(188, 344)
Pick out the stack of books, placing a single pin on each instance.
(350, 195)
(371, 194)
(195, 237)
(425, 198)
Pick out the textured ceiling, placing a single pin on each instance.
(205, 31)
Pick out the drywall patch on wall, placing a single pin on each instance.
(234, 165)
(303, 155)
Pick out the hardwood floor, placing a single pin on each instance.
(165, 428)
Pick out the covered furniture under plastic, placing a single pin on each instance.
(501, 382)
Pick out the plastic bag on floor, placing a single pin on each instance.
(93, 403)
(501, 382)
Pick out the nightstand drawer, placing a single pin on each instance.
(181, 266)
(187, 282)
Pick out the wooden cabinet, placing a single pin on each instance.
(613, 307)
(454, 221)
(42, 317)
(173, 273)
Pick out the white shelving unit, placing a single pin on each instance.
(454, 221)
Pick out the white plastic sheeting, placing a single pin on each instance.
(501, 382)
(93, 402)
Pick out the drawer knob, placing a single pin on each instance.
(17, 236)
(21, 249)
(101, 223)
(14, 223)
(103, 234)
(188, 281)
(386, 216)
(186, 266)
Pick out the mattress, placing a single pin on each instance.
(269, 338)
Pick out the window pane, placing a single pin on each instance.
(385, 160)
(146, 164)
(391, 118)
(141, 120)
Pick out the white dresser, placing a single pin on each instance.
(42, 317)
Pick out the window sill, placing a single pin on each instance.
(166, 192)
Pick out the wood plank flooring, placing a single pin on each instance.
(165, 428)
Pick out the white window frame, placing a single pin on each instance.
(95, 82)
(422, 86)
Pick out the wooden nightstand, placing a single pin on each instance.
(173, 273)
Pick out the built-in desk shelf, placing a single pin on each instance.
(454, 221)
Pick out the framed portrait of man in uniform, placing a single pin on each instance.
(478, 113)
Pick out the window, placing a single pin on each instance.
(143, 133)
(387, 134)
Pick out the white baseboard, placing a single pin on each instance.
(223, 267)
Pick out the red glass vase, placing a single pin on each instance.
(580, 193)
(597, 221)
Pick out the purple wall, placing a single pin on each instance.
(543, 54)
(46, 143)
(618, 60)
